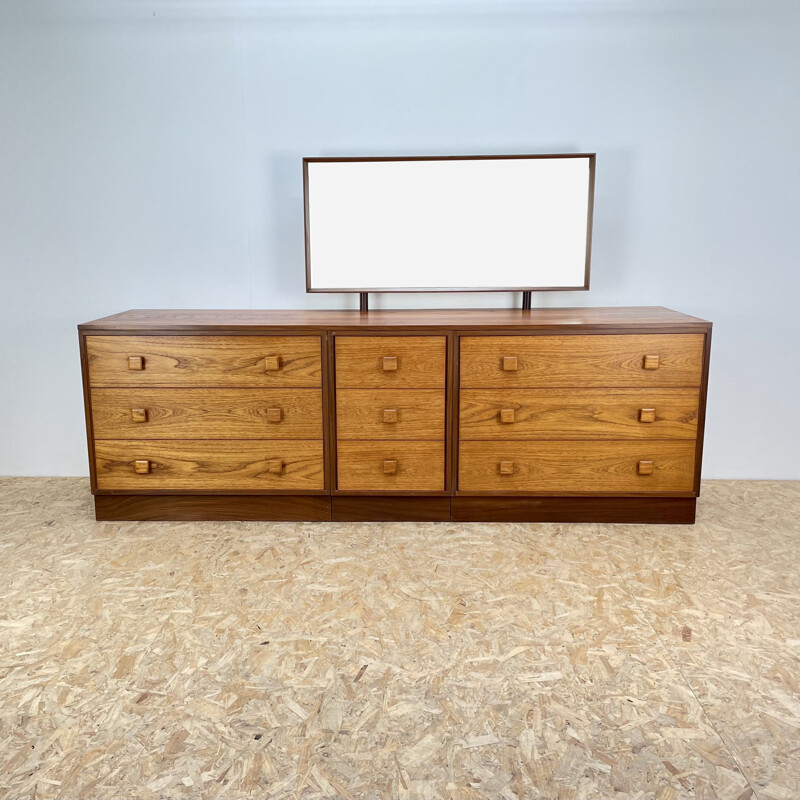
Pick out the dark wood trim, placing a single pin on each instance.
(701, 413)
(592, 157)
(644, 510)
(87, 410)
(391, 508)
(303, 508)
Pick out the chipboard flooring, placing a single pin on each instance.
(437, 660)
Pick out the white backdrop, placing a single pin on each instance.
(150, 156)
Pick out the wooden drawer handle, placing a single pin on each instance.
(141, 467)
(389, 466)
(647, 415)
(651, 362)
(275, 466)
(272, 363)
(390, 416)
(510, 364)
(390, 363)
(506, 467)
(136, 362)
(645, 468)
(139, 414)
(507, 415)
(274, 414)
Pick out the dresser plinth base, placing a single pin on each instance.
(648, 510)
(388, 508)
(213, 508)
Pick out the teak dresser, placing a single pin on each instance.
(564, 415)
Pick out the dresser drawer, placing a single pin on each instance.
(576, 467)
(391, 466)
(578, 413)
(246, 361)
(581, 360)
(209, 465)
(135, 413)
(382, 362)
(390, 414)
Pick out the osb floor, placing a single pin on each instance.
(171, 660)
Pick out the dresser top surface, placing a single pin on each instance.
(197, 320)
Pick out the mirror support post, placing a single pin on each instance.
(363, 301)
(526, 301)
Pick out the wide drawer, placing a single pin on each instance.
(390, 413)
(246, 361)
(390, 466)
(382, 362)
(135, 413)
(566, 467)
(582, 360)
(578, 413)
(209, 465)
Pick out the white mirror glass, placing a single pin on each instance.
(447, 224)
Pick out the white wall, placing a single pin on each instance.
(150, 157)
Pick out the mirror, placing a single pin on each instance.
(461, 223)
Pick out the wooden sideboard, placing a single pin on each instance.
(563, 415)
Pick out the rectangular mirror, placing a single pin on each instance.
(458, 223)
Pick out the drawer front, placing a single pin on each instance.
(578, 413)
(383, 362)
(390, 414)
(209, 465)
(246, 361)
(136, 413)
(581, 360)
(576, 467)
(391, 466)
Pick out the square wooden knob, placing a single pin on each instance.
(389, 466)
(506, 467)
(510, 363)
(651, 362)
(647, 415)
(507, 415)
(272, 363)
(389, 363)
(390, 415)
(645, 468)
(274, 414)
(136, 362)
(139, 414)
(275, 466)
(141, 467)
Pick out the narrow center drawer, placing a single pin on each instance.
(381, 362)
(390, 414)
(136, 413)
(581, 360)
(246, 361)
(390, 466)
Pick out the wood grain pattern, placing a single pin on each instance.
(291, 508)
(420, 362)
(418, 414)
(199, 320)
(363, 508)
(578, 413)
(205, 360)
(581, 361)
(599, 467)
(630, 510)
(419, 467)
(209, 465)
(193, 413)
